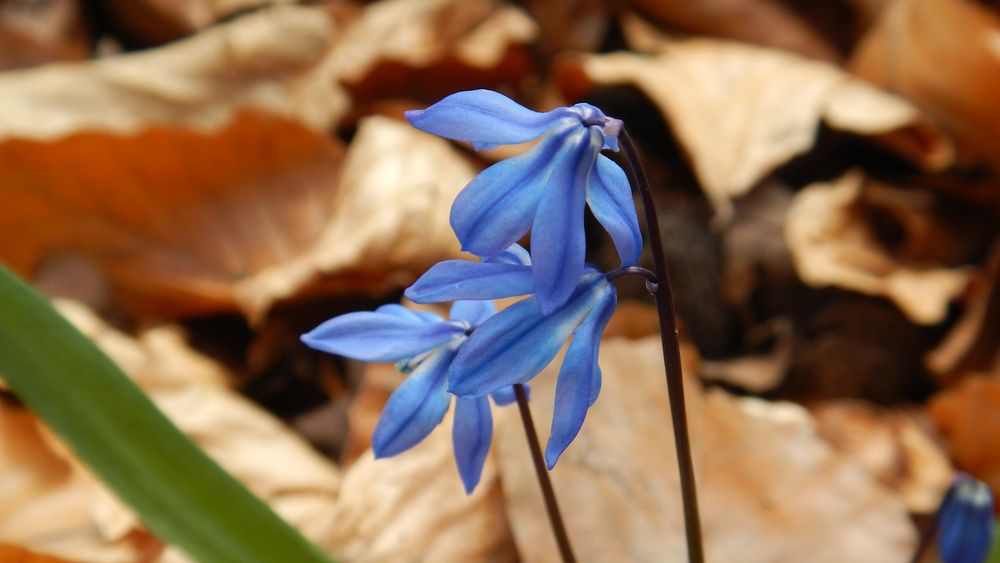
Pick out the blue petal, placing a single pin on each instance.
(397, 310)
(505, 395)
(558, 241)
(515, 254)
(461, 279)
(966, 522)
(472, 312)
(579, 378)
(484, 118)
(610, 198)
(385, 335)
(518, 342)
(415, 408)
(471, 436)
(498, 206)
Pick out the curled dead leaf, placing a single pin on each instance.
(412, 507)
(263, 61)
(740, 111)
(761, 465)
(387, 224)
(180, 222)
(171, 217)
(944, 55)
(45, 504)
(770, 23)
(151, 22)
(973, 343)
(190, 389)
(892, 447)
(37, 33)
(832, 244)
(430, 48)
(968, 418)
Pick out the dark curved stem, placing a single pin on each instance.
(652, 282)
(551, 506)
(671, 353)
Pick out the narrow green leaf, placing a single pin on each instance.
(994, 556)
(180, 494)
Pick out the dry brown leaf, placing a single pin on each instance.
(771, 489)
(387, 224)
(832, 244)
(973, 343)
(412, 507)
(370, 396)
(251, 444)
(570, 25)
(172, 217)
(264, 61)
(756, 373)
(740, 111)
(46, 504)
(770, 23)
(892, 447)
(14, 554)
(430, 48)
(151, 22)
(969, 419)
(181, 222)
(944, 55)
(33, 33)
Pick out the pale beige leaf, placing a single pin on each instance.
(259, 61)
(944, 56)
(740, 111)
(968, 418)
(44, 503)
(771, 23)
(771, 489)
(412, 507)
(973, 342)
(756, 373)
(389, 221)
(831, 244)
(247, 441)
(428, 49)
(892, 447)
(159, 21)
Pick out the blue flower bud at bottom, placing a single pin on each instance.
(966, 521)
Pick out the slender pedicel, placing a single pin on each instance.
(652, 283)
(671, 352)
(551, 506)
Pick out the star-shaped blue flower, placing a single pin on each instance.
(966, 522)
(544, 190)
(514, 345)
(423, 345)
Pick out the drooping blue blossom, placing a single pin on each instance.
(516, 344)
(544, 190)
(966, 521)
(424, 345)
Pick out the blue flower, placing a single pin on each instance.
(516, 344)
(423, 345)
(544, 190)
(966, 521)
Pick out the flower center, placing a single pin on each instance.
(407, 365)
(591, 116)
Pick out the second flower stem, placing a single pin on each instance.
(551, 506)
(671, 353)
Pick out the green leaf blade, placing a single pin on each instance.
(181, 495)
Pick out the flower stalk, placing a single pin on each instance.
(671, 352)
(548, 494)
